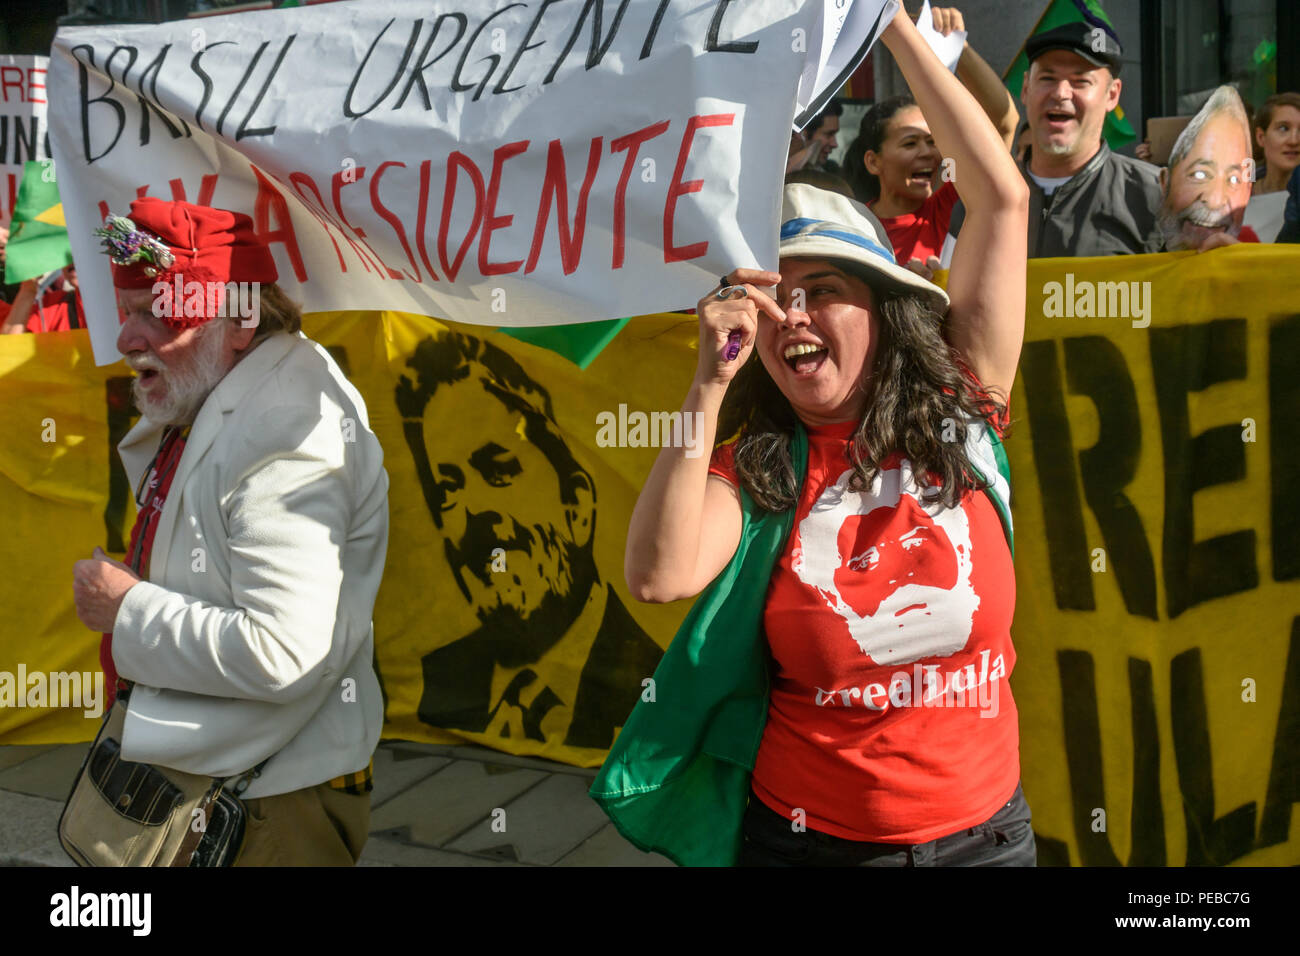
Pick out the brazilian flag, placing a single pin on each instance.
(1117, 129)
(38, 235)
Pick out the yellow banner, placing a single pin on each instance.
(1158, 549)
(503, 618)
(1158, 558)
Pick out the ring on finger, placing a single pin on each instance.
(728, 292)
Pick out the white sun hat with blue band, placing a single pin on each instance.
(819, 224)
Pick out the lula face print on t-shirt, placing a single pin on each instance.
(896, 568)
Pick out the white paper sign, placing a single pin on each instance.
(23, 135)
(497, 163)
(946, 48)
(849, 30)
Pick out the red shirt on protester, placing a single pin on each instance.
(157, 484)
(62, 312)
(921, 234)
(876, 593)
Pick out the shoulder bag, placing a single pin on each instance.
(121, 813)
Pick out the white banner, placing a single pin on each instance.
(498, 163)
(23, 135)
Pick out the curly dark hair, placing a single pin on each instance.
(871, 136)
(916, 389)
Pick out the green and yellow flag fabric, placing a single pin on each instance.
(38, 236)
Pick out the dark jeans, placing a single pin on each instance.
(1004, 839)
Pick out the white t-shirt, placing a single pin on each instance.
(1265, 214)
(1049, 184)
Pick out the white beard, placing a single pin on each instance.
(188, 383)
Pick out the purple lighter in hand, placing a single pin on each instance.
(733, 345)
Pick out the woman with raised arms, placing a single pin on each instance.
(868, 406)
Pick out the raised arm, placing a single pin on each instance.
(977, 76)
(686, 523)
(986, 283)
(994, 99)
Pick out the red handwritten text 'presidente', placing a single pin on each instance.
(465, 180)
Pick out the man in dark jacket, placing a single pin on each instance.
(1084, 199)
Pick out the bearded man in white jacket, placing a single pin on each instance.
(243, 620)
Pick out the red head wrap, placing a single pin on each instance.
(206, 245)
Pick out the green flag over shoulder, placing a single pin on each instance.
(676, 780)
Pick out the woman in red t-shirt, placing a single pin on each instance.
(891, 736)
(896, 168)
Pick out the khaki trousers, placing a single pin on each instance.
(315, 826)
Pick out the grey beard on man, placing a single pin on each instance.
(188, 382)
(1189, 227)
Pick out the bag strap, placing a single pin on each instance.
(185, 852)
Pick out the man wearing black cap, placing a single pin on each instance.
(1084, 199)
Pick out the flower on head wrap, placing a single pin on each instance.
(125, 245)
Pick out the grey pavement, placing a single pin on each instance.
(431, 806)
